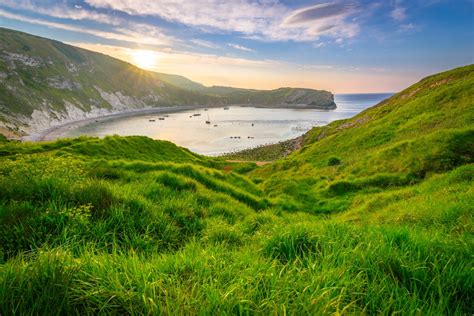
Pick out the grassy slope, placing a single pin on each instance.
(131, 225)
(425, 129)
(90, 70)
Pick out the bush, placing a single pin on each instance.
(334, 161)
(341, 187)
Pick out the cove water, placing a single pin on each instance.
(231, 129)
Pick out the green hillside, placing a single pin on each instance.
(373, 215)
(425, 129)
(44, 83)
(180, 81)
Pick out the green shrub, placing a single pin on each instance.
(343, 187)
(334, 161)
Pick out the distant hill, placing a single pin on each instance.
(45, 83)
(180, 81)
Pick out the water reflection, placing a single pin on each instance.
(228, 130)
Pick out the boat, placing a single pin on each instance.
(208, 121)
(197, 114)
(151, 120)
(226, 108)
(161, 118)
(215, 125)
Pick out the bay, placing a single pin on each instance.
(231, 129)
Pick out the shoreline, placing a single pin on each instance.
(58, 131)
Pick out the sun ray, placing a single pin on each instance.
(145, 59)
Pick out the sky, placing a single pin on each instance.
(342, 46)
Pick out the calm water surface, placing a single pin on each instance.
(254, 126)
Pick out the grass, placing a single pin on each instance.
(373, 215)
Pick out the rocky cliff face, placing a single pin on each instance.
(44, 83)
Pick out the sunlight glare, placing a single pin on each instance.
(145, 59)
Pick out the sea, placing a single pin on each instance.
(216, 131)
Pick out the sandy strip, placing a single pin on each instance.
(60, 131)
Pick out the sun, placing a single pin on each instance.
(145, 59)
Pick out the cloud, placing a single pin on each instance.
(318, 12)
(264, 20)
(62, 11)
(398, 14)
(137, 33)
(239, 47)
(205, 44)
(319, 45)
(407, 27)
(238, 15)
(267, 20)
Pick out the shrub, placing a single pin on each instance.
(334, 161)
(341, 187)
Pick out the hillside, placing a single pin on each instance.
(373, 215)
(44, 83)
(278, 98)
(425, 129)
